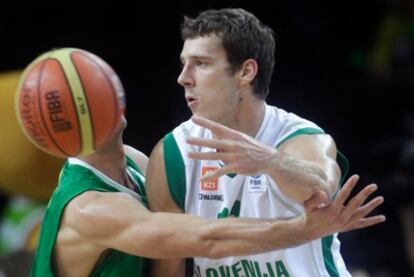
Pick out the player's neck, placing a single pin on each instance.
(110, 161)
(249, 116)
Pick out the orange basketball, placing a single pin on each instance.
(69, 102)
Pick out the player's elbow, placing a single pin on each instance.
(327, 179)
(322, 183)
(319, 182)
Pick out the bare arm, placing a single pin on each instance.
(118, 221)
(304, 165)
(301, 166)
(160, 200)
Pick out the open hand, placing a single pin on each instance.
(337, 217)
(239, 152)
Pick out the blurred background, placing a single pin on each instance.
(348, 66)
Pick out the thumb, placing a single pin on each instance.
(212, 175)
(317, 200)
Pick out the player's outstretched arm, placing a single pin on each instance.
(118, 221)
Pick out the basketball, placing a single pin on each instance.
(69, 102)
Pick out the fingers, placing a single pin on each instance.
(358, 200)
(346, 191)
(226, 150)
(210, 143)
(214, 127)
(315, 201)
(356, 213)
(366, 222)
(369, 207)
(226, 169)
(213, 174)
(211, 156)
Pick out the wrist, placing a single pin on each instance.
(302, 227)
(299, 229)
(273, 161)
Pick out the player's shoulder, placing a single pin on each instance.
(290, 122)
(185, 129)
(82, 200)
(78, 205)
(137, 156)
(133, 152)
(285, 116)
(89, 212)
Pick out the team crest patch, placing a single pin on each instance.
(210, 185)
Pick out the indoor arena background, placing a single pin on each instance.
(346, 65)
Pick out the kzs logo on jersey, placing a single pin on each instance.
(210, 185)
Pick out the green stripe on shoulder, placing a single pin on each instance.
(140, 179)
(132, 164)
(303, 131)
(327, 241)
(175, 170)
(343, 165)
(327, 256)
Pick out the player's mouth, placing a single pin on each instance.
(192, 102)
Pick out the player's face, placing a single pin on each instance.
(120, 129)
(210, 88)
(123, 123)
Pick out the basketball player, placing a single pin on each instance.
(268, 165)
(97, 222)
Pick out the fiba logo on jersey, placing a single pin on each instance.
(257, 183)
(210, 185)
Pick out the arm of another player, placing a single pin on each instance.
(118, 221)
(160, 200)
(301, 166)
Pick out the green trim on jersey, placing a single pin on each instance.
(75, 179)
(141, 184)
(175, 170)
(327, 241)
(327, 256)
(132, 164)
(304, 131)
(343, 165)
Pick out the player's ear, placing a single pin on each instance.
(248, 71)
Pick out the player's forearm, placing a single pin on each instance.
(298, 179)
(166, 236)
(235, 237)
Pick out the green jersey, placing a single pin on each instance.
(77, 177)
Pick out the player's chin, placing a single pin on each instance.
(204, 115)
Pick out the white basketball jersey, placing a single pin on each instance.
(247, 196)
